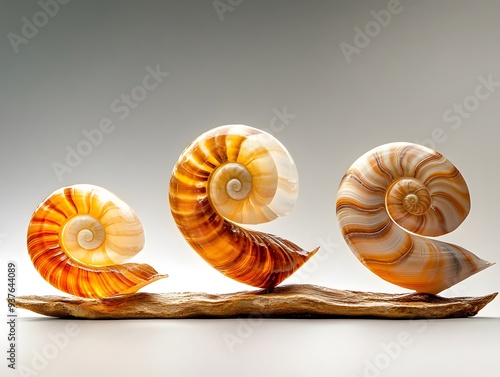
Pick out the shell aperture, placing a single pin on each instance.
(237, 174)
(392, 197)
(78, 238)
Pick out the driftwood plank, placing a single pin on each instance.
(303, 301)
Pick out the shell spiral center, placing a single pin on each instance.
(238, 178)
(407, 195)
(230, 183)
(82, 233)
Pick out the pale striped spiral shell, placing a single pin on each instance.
(79, 236)
(237, 174)
(391, 197)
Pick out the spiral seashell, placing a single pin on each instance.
(237, 174)
(389, 199)
(79, 236)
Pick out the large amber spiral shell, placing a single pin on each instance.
(391, 197)
(235, 175)
(78, 238)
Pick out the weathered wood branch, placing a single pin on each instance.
(304, 301)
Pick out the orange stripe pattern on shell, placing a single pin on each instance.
(77, 237)
(235, 175)
(391, 197)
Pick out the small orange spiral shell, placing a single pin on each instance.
(78, 237)
(237, 174)
(391, 197)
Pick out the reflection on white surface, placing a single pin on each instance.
(258, 347)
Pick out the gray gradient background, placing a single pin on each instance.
(260, 58)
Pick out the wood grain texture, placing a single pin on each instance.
(287, 301)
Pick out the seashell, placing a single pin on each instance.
(389, 200)
(78, 239)
(233, 175)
